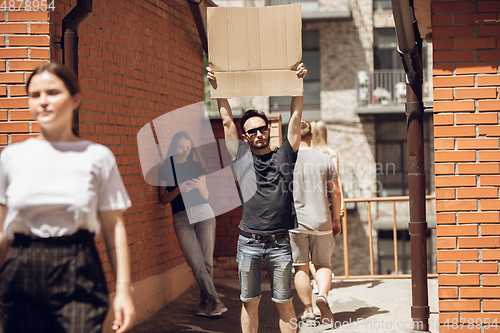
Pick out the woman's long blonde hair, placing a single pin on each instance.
(319, 139)
(319, 142)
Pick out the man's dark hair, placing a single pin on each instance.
(249, 114)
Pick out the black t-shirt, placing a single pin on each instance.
(266, 187)
(183, 171)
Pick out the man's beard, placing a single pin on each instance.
(261, 145)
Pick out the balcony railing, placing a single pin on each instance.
(386, 87)
(307, 5)
(287, 2)
(345, 245)
(311, 9)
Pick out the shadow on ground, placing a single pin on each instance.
(360, 313)
(347, 284)
(180, 315)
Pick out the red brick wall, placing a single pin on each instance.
(137, 61)
(227, 224)
(24, 45)
(466, 78)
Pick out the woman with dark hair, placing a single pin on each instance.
(57, 192)
(194, 221)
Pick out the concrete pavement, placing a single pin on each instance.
(358, 306)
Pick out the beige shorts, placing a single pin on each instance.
(309, 247)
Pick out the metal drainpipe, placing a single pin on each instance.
(410, 49)
(69, 42)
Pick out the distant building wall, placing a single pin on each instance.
(466, 137)
(346, 47)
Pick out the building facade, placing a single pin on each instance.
(356, 85)
(138, 60)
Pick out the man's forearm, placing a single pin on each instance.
(294, 123)
(226, 116)
(297, 105)
(225, 112)
(336, 204)
(230, 130)
(336, 198)
(336, 225)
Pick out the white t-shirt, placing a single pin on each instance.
(52, 189)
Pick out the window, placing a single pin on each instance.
(386, 252)
(312, 82)
(385, 51)
(392, 155)
(382, 5)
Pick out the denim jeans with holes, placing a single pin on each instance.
(251, 257)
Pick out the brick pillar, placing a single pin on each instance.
(24, 45)
(276, 135)
(466, 105)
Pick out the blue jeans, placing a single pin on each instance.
(277, 256)
(197, 242)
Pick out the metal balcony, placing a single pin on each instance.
(386, 88)
(317, 10)
(307, 5)
(377, 270)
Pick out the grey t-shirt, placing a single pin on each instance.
(313, 170)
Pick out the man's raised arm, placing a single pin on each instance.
(296, 113)
(226, 115)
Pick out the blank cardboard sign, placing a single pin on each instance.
(255, 51)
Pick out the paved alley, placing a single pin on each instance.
(358, 306)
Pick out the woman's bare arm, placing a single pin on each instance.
(115, 237)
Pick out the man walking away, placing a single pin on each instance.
(314, 176)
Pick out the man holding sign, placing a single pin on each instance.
(268, 209)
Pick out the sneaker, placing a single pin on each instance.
(203, 309)
(326, 313)
(309, 318)
(217, 309)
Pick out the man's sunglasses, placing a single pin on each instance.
(253, 132)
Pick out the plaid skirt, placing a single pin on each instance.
(53, 285)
